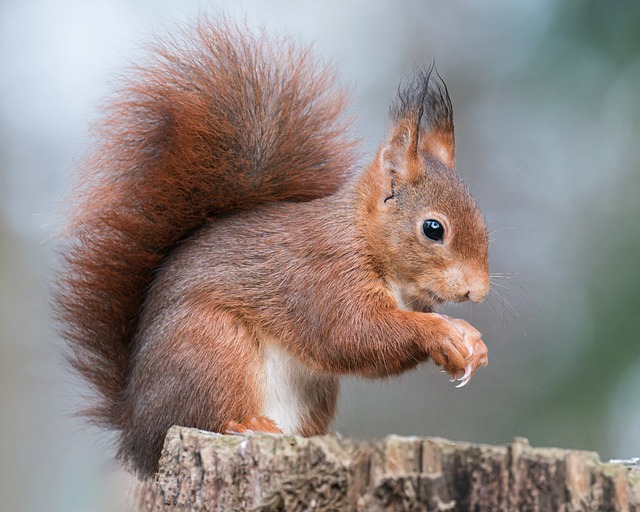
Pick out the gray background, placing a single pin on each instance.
(547, 120)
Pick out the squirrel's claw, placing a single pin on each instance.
(466, 377)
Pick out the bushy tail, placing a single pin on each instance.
(219, 119)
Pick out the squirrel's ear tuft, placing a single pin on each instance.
(423, 113)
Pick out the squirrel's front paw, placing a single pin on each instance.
(461, 351)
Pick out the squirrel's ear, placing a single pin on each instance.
(424, 105)
(395, 157)
(387, 174)
(395, 168)
(440, 145)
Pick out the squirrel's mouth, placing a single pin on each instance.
(416, 298)
(433, 300)
(426, 302)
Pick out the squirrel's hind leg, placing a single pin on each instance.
(250, 425)
(198, 367)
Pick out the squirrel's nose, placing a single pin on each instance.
(468, 283)
(478, 291)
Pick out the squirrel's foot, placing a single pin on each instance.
(462, 353)
(252, 425)
(477, 349)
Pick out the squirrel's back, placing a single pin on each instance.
(219, 120)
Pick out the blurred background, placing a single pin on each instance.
(547, 110)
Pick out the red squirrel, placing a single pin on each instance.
(228, 261)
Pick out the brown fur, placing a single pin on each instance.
(221, 215)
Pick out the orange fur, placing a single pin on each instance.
(250, 425)
(227, 258)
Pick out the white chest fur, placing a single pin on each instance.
(290, 389)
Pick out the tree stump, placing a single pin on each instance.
(211, 472)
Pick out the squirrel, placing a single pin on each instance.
(228, 260)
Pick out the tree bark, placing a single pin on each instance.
(204, 471)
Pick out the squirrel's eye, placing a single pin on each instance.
(433, 230)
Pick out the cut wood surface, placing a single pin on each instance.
(205, 471)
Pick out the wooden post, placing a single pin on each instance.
(204, 471)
